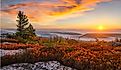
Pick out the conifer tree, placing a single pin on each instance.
(24, 28)
(22, 23)
(30, 30)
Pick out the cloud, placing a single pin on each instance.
(44, 10)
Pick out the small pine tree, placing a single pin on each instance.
(97, 40)
(116, 40)
(120, 40)
(30, 30)
(22, 23)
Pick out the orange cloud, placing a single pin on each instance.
(48, 11)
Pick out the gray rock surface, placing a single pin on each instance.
(10, 52)
(50, 65)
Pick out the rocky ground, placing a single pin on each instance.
(80, 55)
(50, 65)
(9, 52)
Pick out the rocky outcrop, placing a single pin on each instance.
(50, 65)
(10, 52)
(115, 44)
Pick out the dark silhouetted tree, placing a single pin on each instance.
(117, 40)
(24, 29)
(22, 21)
(30, 30)
(97, 40)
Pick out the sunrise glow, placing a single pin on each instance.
(64, 14)
(55, 34)
(101, 27)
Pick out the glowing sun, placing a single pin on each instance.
(100, 27)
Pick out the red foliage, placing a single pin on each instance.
(17, 46)
(82, 56)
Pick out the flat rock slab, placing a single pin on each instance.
(50, 65)
(10, 52)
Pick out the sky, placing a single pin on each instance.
(63, 14)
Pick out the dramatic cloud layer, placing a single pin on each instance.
(48, 10)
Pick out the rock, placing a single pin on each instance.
(20, 68)
(50, 65)
(115, 44)
(10, 52)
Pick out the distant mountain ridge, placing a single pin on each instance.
(102, 35)
(82, 34)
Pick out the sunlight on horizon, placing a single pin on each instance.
(101, 27)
